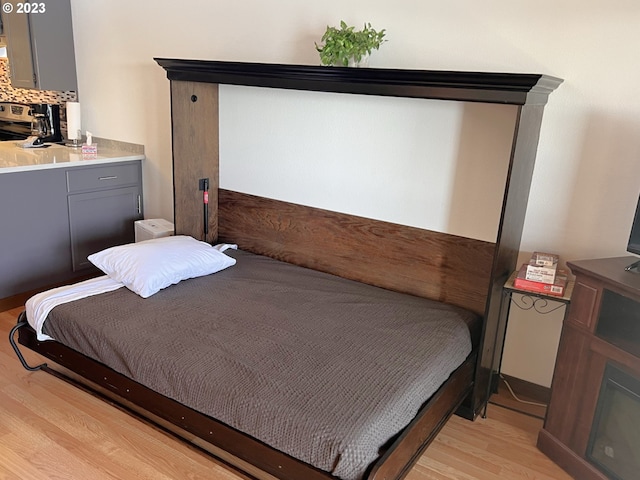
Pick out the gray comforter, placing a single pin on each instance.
(324, 369)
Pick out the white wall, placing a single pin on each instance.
(409, 161)
(585, 184)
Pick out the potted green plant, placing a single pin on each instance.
(347, 47)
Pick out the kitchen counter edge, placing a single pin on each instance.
(126, 157)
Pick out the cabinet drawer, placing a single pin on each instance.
(105, 176)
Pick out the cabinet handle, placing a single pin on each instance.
(110, 177)
(139, 205)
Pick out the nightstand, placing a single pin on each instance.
(542, 303)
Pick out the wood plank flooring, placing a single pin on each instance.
(52, 430)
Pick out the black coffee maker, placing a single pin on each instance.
(45, 123)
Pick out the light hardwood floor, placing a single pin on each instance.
(52, 430)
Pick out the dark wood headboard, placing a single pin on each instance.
(466, 272)
(429, 264)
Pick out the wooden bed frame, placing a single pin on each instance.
(456, 270)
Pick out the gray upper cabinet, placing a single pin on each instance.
(40, 45)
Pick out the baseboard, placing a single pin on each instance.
(18, 300)
(568, 460)
(15, 301)
(531, 391)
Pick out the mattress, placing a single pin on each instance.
(324, 369)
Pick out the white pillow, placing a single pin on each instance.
(149, 266)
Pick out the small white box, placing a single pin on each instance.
(152, 228)
(539, 273)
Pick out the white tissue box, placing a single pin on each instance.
(152, 228)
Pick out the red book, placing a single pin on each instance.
(557, 288)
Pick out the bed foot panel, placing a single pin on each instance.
(231, 446)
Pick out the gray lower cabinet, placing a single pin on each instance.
(104, 202)
(90, 233)
(34, 226)
(52, 219)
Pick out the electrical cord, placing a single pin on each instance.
(519, 399)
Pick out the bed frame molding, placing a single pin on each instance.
(379, 253)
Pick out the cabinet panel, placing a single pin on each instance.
(582, 311)
(53, 47)
(102, 219)
(40, 46)
(568, 378)
(21, 68)
(34, 242)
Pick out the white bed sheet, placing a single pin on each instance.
(39, 306)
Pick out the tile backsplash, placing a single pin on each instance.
(26, 95)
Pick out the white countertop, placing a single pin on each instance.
(14, 158)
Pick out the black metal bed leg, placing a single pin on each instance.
(21, 323)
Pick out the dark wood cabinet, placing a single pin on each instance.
(602, 329)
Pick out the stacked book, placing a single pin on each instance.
(542, 275)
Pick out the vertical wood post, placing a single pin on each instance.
(194, 125)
